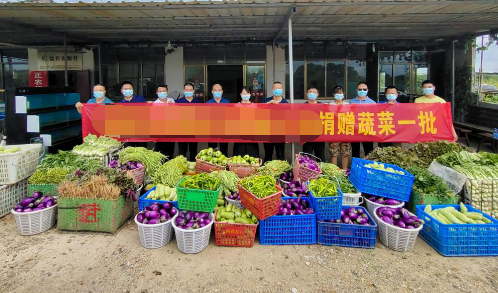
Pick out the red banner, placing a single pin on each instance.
(408, 123)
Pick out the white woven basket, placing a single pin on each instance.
(371, 206)
(12, 194)
(155, 236)
(193, 241)
(352, 199)
(32, 223)
(394, 237)
(18, 166)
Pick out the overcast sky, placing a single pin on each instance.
(490, 60)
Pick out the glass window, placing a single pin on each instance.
(403, 56)
(315, 51)
(316, 75)
(215, 55)
(335, 76)
(107, 55)
(129, 54)
(235, 54)
(15, 76)
(357, 72)
(386, 56)
(195, 75)
(255, 81)
(402, 79)
(110, 80)
(256, 52)
(298, 80)
(153, 54)
(356, 52)
(419, 56)
(193, 55)
(420, 73)
(385, 77)
(334, 51)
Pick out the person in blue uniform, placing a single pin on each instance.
(99, 97)
(129, 97)
(277, 98)
(316, 148)
(188, 98)
(246, 148)
(217, 92)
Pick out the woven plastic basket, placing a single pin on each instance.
(352, 199)
(32, 223)
(193, 241)
(205, 167)
(371, 206)
(12, 194)
(396, 238)
(197, 199)
(155, 236)
(303, 173)
(137, 175)
(262, 208)
(20, 165)
(243, 170)
(240, 235)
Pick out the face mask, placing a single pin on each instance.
(162, 95)
(127, 93)
(217, 95)
(189, 94)
(98, 95)
(312, 96)
(277, 92)
(428, 91)
(391, 97)
(245, 97)
(339, 96)
(362, 93)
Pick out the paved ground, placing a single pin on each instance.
(88, 262)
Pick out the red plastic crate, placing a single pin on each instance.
(243, 170)
(238, 235)
(262, 208)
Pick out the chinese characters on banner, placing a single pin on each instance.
(38, 79)
(408, 123)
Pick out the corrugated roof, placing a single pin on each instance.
(45, 22)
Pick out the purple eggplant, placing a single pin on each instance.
(26, 201)
(37, 194)
(173, 211)
(140, 217)
(392, 202)
(388, 220)
(153, 221)
(27, 210)
(400, 224)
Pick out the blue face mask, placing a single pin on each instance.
(127, 93)
(312, 96)
(362, 93)
(246, 97)
(189, 94)
(339, 96)
(98, 95)
(428, 91)
(217, 95)
(277, 92)
(391, 97)
(162, 95)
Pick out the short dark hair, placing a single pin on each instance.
(126, 82)
(362, 82)
(188, 83)
(390, 87)
(427, 82)
(244, 88)
(278, 82)
(312, 87)
(163, 85)
(337, 88)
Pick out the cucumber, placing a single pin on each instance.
(462, 217)
(447, 213)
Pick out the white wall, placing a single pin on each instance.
(280, 68)
(173, 70)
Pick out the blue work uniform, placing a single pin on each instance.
(135, 99)
(222, 101)
(105, 101)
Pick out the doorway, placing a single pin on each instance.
(231, 78)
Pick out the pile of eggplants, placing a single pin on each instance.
(132, 165)
(157, 213)
(352, 216)
(399, 217)
(291, 187)
(383, 201)
(308, 162)
(190, 220)
(234, 196)
(35, 203)
(295, 206)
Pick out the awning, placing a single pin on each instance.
(91, 22)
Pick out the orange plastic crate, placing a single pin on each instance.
(243, 170)
(239, 235)
(262, 208)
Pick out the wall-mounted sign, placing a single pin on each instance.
(56, 61)
(38, 79)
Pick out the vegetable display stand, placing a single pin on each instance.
(352, 199)
(380, 182)
(394, 237)
(46, 189)
(239, 235)
(459, 239)
(155, 236)
(98, 215)
(327, 208)
(348, 235)
(144, 202)
(205, 167)
(303, 173)
(32, 223)
(288, 230)
(196, 199)
(137, 175)
(262, 208)
(244, 170)
(12, 194)
(17, 166)
(371, 206)
(193, 241)
(422, 199)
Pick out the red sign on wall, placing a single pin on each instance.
(38, 79)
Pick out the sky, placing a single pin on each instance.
(490, 60)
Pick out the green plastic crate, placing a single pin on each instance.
(421, 199)
(196, 199)
(47, 189)
(98, 215)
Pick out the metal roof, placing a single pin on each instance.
(153, 21)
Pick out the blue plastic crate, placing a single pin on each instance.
(327, 208)
(459, 239)
(348, 235)
(143, 202)
(282, 230)
(381, 183)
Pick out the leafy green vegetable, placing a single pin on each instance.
(49, 176)
(394, 156)
(464, 157)
(274, 168)
(93, 146)
(332, 172)
(171, 172)
(229, 181)
(427, 183)
(69, 161)
(150, 159)
(429, 151)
